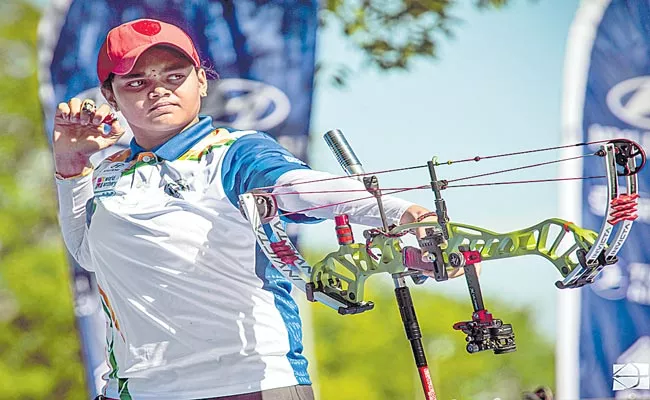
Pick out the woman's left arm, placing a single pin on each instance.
(333, 195)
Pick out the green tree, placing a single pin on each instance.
(39, 347)
(392, 33)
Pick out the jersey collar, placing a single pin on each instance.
(177, 145)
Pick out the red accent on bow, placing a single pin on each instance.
(285, 252)
(624, 208)
(471, 257)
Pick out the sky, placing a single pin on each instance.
(496, 87)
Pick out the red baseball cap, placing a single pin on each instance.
(125, 43)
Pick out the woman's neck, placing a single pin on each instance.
(151, 139)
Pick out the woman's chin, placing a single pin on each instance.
(169, 121)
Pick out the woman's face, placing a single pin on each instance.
(161, 95)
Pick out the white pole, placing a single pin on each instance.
(576, 67)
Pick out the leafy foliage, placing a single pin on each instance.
(392, 32)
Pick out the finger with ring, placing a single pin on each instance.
(88, 106)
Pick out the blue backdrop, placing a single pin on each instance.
(615, 310)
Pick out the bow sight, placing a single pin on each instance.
(338, 279)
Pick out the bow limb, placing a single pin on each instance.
(620, 208)
(628, 212)
(269, 231)
(591, 258)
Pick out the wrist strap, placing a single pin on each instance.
(426, 215)
(85, 172)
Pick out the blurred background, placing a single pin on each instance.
(405, 80)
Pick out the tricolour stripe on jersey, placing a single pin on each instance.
(274, 282)
(123, 385)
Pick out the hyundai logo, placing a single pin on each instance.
(630, 101)
(245, 104)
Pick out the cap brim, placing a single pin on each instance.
(129, 60)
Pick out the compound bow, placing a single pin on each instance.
(338, 279)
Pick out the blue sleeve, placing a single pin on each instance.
(255, 161)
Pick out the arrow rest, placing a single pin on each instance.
(429, 257)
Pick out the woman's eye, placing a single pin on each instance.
(135, 84)
(175, 77)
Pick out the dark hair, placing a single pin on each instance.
(108, 83)
(210, 72)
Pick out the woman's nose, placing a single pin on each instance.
(159, 91)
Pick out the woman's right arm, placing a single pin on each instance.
(78, 134)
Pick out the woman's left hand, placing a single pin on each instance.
(415, 212)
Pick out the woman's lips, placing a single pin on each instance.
(162, 107)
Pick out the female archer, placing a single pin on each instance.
(193, 312)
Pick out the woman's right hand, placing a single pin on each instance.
(79, 133)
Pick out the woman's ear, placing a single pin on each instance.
(203, 82)
(110, 97)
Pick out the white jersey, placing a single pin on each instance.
(193, 309)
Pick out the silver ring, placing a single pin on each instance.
(88, 106)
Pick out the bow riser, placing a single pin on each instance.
(358, 265)
(543, 239)
(534, 240)
(349, 284)
(344, 272)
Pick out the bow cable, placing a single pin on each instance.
(444, 183)
(449, 162)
